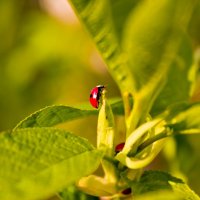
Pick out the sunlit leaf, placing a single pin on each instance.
(97, 17)
(121, 10)
(152, 39)
(155, 181)
(177, 87)
(53, 115)
(183, 117)
(151, 35)
(188, 119)
(132, 144)
(36, 163)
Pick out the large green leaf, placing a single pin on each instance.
(97, 17)
(152, 39)
(177, 87)
(121, 10)
(53, 115)
(146, 34)
(36, 163)
(194, 76)
(155, 181)
(194, 25)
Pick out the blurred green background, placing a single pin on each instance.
(46, 57)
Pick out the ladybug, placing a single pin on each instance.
(127, 191)
(95, 95)
(119, 147)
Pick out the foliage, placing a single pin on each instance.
(37, 157)
(149, 48)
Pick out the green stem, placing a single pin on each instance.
(164, 134)
(150, 141)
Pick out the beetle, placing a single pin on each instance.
(95, 95)
(119, 147)
(127, 191)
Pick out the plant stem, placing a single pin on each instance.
(150, 141)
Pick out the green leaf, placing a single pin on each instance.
(183, 117)
(155, 181)
(36, 163)
(194, 24)
(194, 76)
(72, 193)
(121, 10)
(174, 109)
(177, 151)
(97, 17)
(187, 119)
(159, 195)
(53, 115)
(152, 39)
(151, 35)
(177, 87)
(148, 22)
(131, 147)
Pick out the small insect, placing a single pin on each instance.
(127, 191)
(95, 95)
(119, 147)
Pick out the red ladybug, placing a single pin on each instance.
(119, 147)
(95, 95)
(127, 191)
